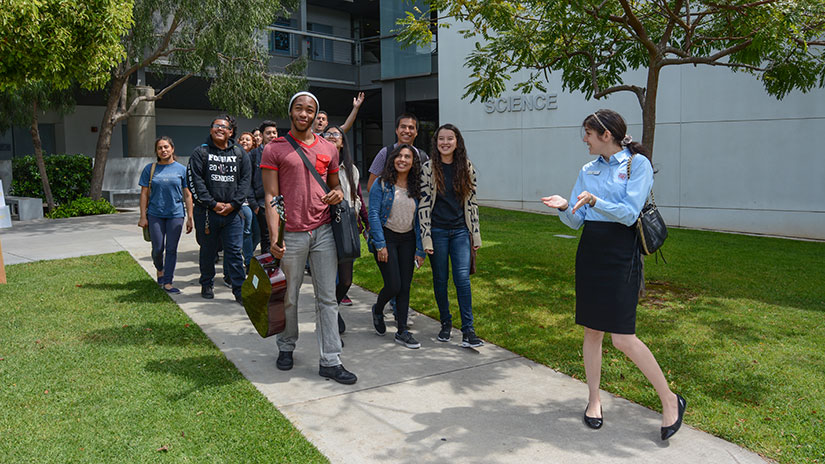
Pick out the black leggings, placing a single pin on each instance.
(397, 273)
(344, 280)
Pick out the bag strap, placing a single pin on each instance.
(311, 169)
(650, 199)
(151, 175)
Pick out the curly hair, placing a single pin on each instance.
(462, 182)
(390, 175)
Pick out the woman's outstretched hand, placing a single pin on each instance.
(555, 201)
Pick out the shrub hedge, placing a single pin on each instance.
(83, 206)
(69, 177)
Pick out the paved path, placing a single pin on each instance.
(441, 403)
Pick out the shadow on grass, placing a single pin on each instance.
(202, 372)
(135, 291)
(186, 334)
(531, 311)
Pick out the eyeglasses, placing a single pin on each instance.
(220, 126)
(335, 135)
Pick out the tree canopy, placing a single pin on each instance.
(221, 40)
(61, 42)
(218, 39)
(593, 43)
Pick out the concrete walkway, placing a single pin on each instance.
(440, 403)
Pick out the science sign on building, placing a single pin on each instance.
(516, 103)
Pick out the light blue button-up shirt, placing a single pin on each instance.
(618, 200)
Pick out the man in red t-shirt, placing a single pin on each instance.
(307, 231)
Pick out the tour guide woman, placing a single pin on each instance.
(608, 261)
(163, 195)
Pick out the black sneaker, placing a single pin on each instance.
(338, 374)
(378, 322)
(239, 299)
(284, 362)
(405, 338)
(469, 340)
(207, 292)
(445, 332)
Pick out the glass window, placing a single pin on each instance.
(320, 49)
(397, 61)
(283, 43)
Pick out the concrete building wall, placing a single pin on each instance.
(82, 128)
(728, 155)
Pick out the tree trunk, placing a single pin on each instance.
(649, 107)
(649, 133)
(38, 155)
(104, 140)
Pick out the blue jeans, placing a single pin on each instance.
(251, 236)
(165, 234)
(452, 245)
(222, 229)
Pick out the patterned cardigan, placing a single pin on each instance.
(425, 206)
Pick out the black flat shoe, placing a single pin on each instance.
(593, 422)
(671, 430)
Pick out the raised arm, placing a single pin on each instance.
(356, 105)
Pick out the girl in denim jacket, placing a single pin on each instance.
(395, 237)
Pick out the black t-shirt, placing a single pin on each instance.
(448, 211)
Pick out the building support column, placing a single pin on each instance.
(393, 103)
(140, 127)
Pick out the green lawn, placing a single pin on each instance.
(97, 364)
(736, 322)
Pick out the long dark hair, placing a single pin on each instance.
(462, 182)
(346, 161)
(390, 175)
(610, 120)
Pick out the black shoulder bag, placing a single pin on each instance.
(650, 225)
(344, 222)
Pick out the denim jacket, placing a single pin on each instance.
(381, 198)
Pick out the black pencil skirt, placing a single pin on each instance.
(608, 275)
